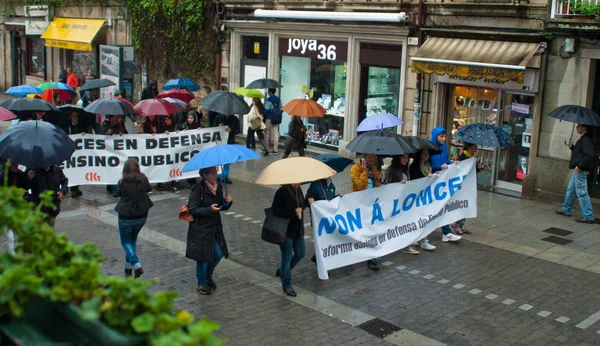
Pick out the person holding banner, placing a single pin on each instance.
(169, 127)
(420, 168)
(398, 172)
(438, 162)
(318, 191)
(365, 175)
(74, 128)
(191, 123)
(289, 203)
(205, 239)
(133, 210)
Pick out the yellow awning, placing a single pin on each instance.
(476, 59)
(72, 33)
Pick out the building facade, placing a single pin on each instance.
(37, 40)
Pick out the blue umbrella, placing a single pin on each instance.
(336, 162)
(484, 135)
(24, 90)
(35, 144)
(220, 154)
(379, 122)
(179, 83)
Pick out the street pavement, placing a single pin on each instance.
(502, 285)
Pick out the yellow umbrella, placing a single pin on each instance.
(294, 170)
(251, 93)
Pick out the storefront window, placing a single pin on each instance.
(325, 83)
(255, 47)
(475, 105)
(36, 59)
(480, 105)
(317, 70)
(382, 90)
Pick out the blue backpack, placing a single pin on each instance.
(275, 114)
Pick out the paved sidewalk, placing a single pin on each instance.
(503, 285)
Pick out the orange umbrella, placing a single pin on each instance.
(304, 108)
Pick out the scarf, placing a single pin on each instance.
(212, 187)
(467, 153)
(425, 168)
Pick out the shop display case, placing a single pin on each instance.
(382, 90)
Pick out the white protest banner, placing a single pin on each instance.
(368, 224)
(99, 159)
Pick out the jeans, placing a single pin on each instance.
(291, 253)
(446, 229)
(205, 270)
(250, 139)
(129, 230)
(578, 187)
(225, 171)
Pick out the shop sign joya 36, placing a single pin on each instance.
(99, 159)
(314, 49)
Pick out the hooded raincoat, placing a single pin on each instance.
(438, 160)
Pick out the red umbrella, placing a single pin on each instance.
(5, 114)
(179, 94)
(152, 107)
(124, 100)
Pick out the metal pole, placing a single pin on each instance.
(417, 100)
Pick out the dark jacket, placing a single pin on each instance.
(415, 168)
(232, 122)
(134, 203)
(87, 98)
(395, 175)
(188, 126)
(17, 179)
(71, 129)
(582, 154)
(207, 225)
(319, 190)
(276, 102)
(115, 129)
(62, 76)
(296, 134)
(148, 92)
(284, 205)
(463, 157)
(52, 180)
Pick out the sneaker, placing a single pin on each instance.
(265, 153)
(465, 231)
(228, 181)
(582, 220)
(450, 237)
(560, 212)
(175, 190)
(274, 152)
(151, 192)
(203, 289)
(211, 283)
(373, 264)
(411, 251)
(264, 150)
(427, 246)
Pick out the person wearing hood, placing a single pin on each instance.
(440, 161)
(151, 91)
(191, 122)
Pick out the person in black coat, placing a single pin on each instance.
(420, 167)
(150, 92)
(289, 203)
(205, 239)
(17, 178)
(581, 162)
(233, 127)
(133, 210)
(48, 179)
(296, 137)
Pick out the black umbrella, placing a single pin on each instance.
(264, 83)
(110, 106)
(95, 84)
(575, 114)
(382, 143)
(35, 144)
(423, 143)
(224, 102)
(85, 118)
(27, 105)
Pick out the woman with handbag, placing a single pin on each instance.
(133, 210)
(255, 118)
(289, 204)
(205, 239)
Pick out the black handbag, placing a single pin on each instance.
(274, 229)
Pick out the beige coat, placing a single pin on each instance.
(255, 119)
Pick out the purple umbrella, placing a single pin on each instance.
(378, 122)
